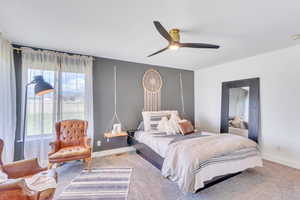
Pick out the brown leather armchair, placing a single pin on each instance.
(16, 188)
(71, 143)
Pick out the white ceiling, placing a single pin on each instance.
(123, 29)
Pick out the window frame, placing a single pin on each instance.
(57, 109)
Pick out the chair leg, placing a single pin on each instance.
(55, 165)
(50, 165)
(89, 163)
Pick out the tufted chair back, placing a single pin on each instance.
(71, 132)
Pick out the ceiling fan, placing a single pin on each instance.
(173, 38)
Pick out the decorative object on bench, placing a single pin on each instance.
(71, 143)
(20, 185)
(41, 87)
(152, 83)
(100, 183)
(114, 129)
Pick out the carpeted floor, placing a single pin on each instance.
(272, 182)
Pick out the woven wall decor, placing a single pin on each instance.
(152, 83)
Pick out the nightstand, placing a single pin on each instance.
(110, 135)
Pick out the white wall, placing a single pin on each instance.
(279, 73)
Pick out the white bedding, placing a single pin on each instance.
(186, 157)
(161, 145)
(156, 143)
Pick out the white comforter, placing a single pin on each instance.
(183, 158)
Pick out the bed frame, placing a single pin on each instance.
(157, 161)
(254, 125)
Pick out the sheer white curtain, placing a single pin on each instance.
(7, 100)
(75, 66)
(71, 76)
(41, 110)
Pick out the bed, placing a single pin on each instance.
(159, 148)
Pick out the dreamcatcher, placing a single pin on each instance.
(152, 83)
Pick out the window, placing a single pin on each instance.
(67, 102)
(40, 109)
(72, 98)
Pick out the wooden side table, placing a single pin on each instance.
(110, 135)
(129, 134)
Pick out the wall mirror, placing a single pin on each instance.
(240, 112)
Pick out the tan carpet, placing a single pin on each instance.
(272, 182)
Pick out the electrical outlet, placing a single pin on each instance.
(99, 143)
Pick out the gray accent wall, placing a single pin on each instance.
(130, 95)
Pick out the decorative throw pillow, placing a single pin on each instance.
(167, 127)
(186, 127)
(173, 122)
(152, 118)
(244, 125)
(236, 122)
(163, 125)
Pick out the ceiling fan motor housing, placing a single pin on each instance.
(174, 33)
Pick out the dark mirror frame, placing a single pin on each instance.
(254, 105)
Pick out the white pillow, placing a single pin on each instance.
(173, 122)
(163, 125)
(152, 118)
(170, 129)
(168, 126)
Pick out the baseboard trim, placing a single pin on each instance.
(285, 162)
(113, 151)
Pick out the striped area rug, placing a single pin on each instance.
(99, 184)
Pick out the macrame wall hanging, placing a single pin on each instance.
(152, 83)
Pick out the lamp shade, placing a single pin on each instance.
(41, 86)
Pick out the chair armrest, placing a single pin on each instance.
(54, 147)
(17, 189)
(52, 173)
(22, 168)
(87, 142)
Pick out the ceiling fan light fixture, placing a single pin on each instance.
(174, 46)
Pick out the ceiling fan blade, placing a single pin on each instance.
(162, 31)
(199, 45)
(158, 51)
